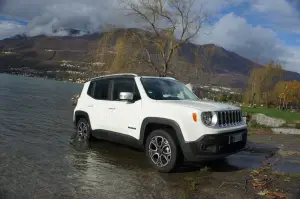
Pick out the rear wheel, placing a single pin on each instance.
(83, 130)
(162, 151)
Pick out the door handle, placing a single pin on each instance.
(111, 108)
(90, 105)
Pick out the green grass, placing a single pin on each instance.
(275, 113)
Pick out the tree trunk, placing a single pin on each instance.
(253, 98)
(165, 70)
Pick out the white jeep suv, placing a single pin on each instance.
(161, 116)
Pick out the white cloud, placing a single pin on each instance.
(9, 29)
(281, 7)
(254, 42)
(45, 15)
(282, 13)
(293, 61)
(231, 32)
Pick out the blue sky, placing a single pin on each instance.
(8, 19)
(257, 19)
(256, 29)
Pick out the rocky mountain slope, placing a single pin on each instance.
(72, 57)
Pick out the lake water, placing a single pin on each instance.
(37, 156)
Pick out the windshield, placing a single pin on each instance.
(167, 89)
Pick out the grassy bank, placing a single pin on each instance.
(288, 116)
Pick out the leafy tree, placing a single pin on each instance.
(287, 93)
(281, 94)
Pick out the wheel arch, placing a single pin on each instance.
(81, 114)
(160, 122)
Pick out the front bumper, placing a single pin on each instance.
(214, 146)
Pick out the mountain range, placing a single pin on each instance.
(46, 54)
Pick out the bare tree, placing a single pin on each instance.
(166, 25)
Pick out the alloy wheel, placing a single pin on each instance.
(82, 131)
(160, 151)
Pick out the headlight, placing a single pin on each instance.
(209, 118)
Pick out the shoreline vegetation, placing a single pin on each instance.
(287, 115)
(38, 76)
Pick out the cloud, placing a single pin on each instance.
(283, 14)
(254, 42)
(90, 15)
(46, 17)
(230, 31)
(9, 29)
(293, 62)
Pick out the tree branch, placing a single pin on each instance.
(165, 17)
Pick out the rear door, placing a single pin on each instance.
(87, 102)
(98, 109)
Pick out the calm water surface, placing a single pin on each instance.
(37, 156)
(39, 159)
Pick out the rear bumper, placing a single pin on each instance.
(214, 146)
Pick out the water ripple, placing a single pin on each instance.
(38, 157)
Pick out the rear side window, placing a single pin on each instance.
(101, 90)
(91, 89)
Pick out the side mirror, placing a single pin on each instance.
(126, 96)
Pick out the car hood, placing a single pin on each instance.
(201, 105)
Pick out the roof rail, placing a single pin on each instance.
(115, 75)
(159, 77)
(169, 78)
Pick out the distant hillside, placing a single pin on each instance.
(72, 56)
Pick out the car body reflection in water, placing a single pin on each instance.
(110, 170)
(114, 170)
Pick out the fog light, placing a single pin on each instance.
(204, 147)
(212, 148)
(209, 148)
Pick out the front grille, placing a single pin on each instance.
(229, 118)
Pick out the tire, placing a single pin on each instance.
(83, 130)
(169, 152)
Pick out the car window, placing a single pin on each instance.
(125, 85)
(101, 90)
(91, 89)
(166, 89)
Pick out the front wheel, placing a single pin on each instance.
(162, 151)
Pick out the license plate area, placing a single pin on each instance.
(235, 138)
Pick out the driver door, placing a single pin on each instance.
(125, 116)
